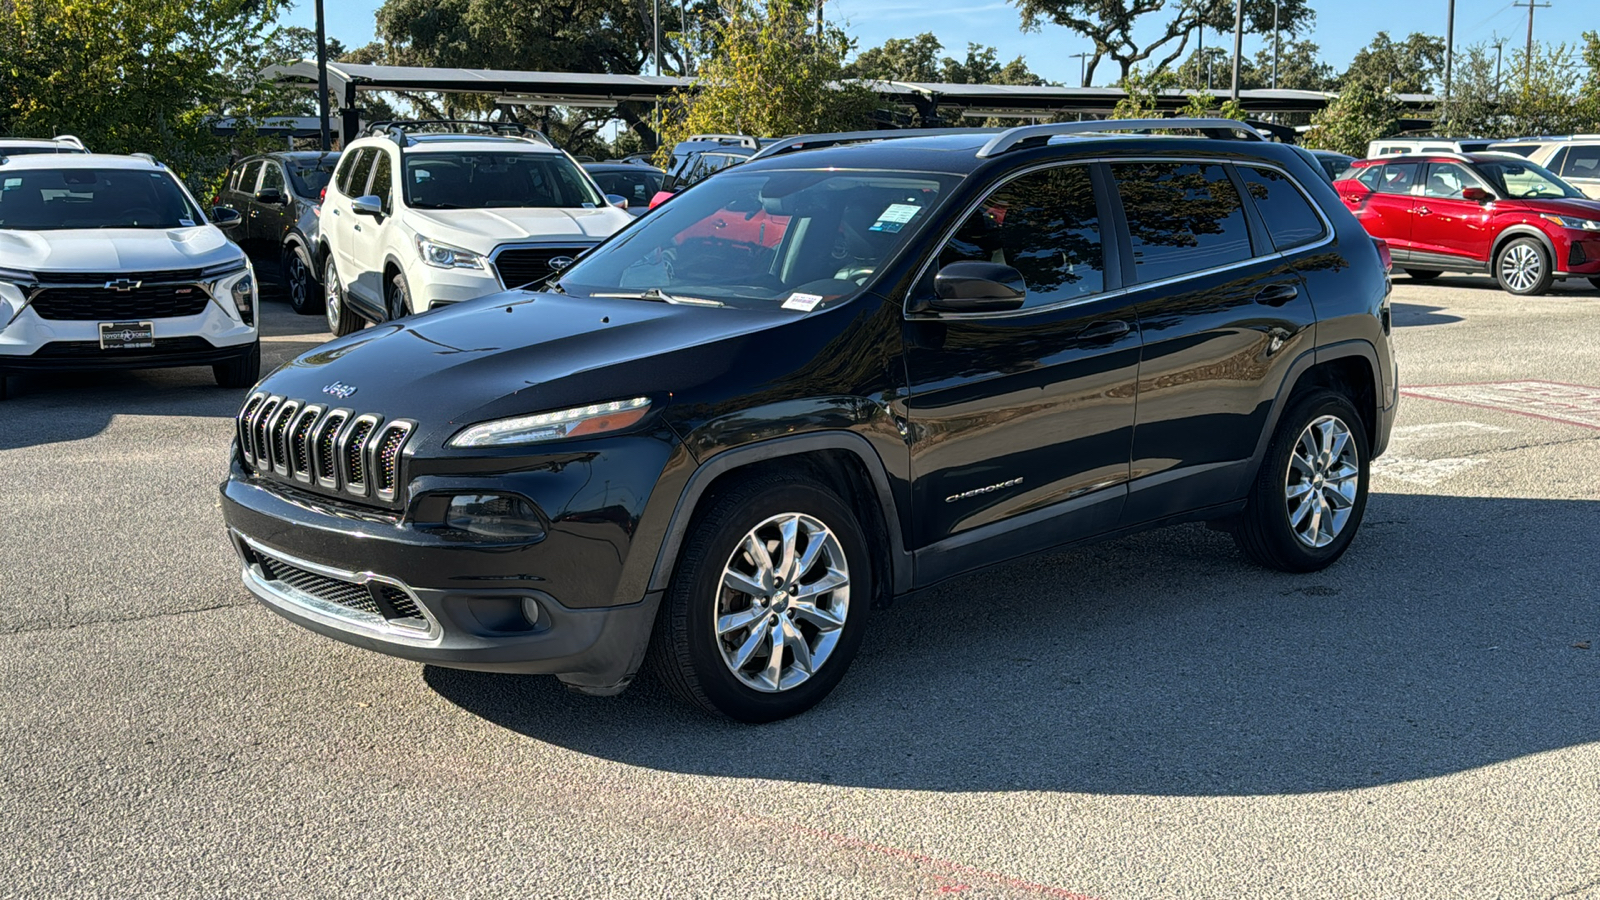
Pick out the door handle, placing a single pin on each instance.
(1104, 331)
(1424, 211)
(1277, 294)
(357, 228)
(335, 210)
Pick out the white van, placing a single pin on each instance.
(1389, 146)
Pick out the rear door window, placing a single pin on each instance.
(272, 178)
(1182, 217)
(1582, 162)
(1289, 216)
(1045, 225)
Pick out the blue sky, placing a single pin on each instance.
(1342, 27)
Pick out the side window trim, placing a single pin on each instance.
(1255, 226)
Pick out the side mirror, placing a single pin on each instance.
(617, 200)
(269, 195)
(964, 287)
(1476, 195)
(369, 205)
(223, 217)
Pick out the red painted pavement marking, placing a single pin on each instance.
(1553, 401)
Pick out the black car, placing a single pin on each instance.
(280, 197)
(635, 182)
(817, 383)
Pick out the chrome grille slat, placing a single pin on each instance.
(300, 443)
(278, 433)
(353, 453)
(246, 443)
(386, 458)
(258, 430)
(334, 450)
(324, 443)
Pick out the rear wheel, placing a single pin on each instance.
(300, 284)
(1311, 491)
(768, 604)
(398, 300)
(241, 372)
(1523, 267)
(1423, 274)
(341, 320)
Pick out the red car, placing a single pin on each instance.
(1486, 213)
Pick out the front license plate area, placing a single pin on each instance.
(127, 335)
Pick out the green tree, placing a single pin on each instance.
(133, 75)
(1361, 113)
(918, 59)
(1129, 32)
(772, 75)
(1143, 89)
(1415, 65)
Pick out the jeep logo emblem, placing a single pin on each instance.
(557, 263)
(337, 389)
(123, 284)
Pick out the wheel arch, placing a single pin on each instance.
(1515, 231)
(844, 461)
(1334, 366)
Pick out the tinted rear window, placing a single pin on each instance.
(1182, 217)
(1289, 216)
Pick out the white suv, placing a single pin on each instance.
(412, 220)
(108, 262)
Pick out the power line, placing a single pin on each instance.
(1528, 58)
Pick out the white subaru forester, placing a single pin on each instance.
(413, 219)
(108, 262)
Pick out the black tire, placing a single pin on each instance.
(300, 283)
(341, 319)
(3, 392)
(1595, 282)
(397, 296)
(1423, 274)
(1266, 531)
(687, 654)
(1523, 267)
(242, 372)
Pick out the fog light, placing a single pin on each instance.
(530, 610)
(500, 516)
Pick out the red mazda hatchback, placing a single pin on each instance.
(1485, 213)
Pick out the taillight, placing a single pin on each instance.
(216, 199)
(323, 197)
(1383, 254)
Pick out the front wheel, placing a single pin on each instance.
(398, 297)
(341, 320)
(1523, 268)
(768, 604)
(305, 297)
(1311, 491)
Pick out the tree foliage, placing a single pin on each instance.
(771, 75)
(1129, 32)
(1363, 112)
(1414, 65)
(1543, 99)
(134, 75)
(918, 59)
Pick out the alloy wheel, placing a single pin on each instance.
(1521, 267)
(1320, 486)
(782, 606)
(332, 301)
(299, 289)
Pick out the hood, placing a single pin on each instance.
(510, 354)
(116, 249)
(1559, 206)
(481, 230)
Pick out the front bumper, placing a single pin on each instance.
(432, 286)
(363, 583)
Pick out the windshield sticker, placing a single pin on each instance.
(187, 223)
(895, 217)
(802, 302)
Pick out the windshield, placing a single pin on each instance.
(311, 177)
(1525, 181)
(56, 199)
(764, 240)
(638, 186)
(489, 180)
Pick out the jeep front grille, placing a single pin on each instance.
(332, 449)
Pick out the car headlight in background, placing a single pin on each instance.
(1574, 222)
(13, 294)
(444, 256)
(578, 421)
(234, 281)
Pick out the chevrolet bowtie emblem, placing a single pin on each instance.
(123, 284)
(342, 391)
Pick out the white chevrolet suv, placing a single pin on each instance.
(414, 219)
(108, 262)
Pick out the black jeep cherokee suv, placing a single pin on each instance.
(818, 382)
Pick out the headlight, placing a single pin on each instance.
(15, 276)
(553, 426)
(244, 295)
(236, 281)
(445, 256)
(1575, 222)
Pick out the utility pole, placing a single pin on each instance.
(1449, 50)
(1498, 46)
(1083, 67)
(683, 37)
(656, 44)
(1205, 70)
(1275, 36)
(1238, 43)
(322, 81)
(1527, 60)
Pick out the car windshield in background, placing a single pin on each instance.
(638, 186)
(488, 180)
(310, 178)
(1526, 181)
(59, 199)
(764, 240)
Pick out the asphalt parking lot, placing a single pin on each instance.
(1150, 717)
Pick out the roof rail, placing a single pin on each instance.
(71, 140)
(743, 140)
(400, 130)
(147, 157)
(1211, 128)
(815, 141)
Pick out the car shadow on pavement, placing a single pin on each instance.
(1453, 635)
(1411, 314)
